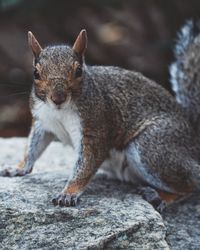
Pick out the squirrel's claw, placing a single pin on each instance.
(151, 195)
(161, 207)
(65, 200)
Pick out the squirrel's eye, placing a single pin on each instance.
(36, 74)
(78, 72)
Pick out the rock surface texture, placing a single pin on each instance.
(109, 216)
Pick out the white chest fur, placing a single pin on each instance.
(64, 123)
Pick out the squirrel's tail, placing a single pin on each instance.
(185, 71)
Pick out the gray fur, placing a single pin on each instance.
(185, 71)
(38, 141)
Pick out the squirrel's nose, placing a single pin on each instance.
(58, 98)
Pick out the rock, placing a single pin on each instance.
(109, 215)
(183, 224)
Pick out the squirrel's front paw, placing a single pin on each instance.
(11, 172)
(66, 200)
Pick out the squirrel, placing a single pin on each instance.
(113, 118)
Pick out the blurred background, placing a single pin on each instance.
(134, 34)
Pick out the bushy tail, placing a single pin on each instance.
(185, 71)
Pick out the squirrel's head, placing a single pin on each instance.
(58, 70)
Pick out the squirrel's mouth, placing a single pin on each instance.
(59, 105)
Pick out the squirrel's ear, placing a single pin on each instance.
(80, 44)
(34, 44)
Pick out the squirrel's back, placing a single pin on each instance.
(185, 71)
(132, 90)
(127, 101)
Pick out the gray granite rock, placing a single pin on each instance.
(109, 216)
(182, 221)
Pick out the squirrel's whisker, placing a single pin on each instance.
(14, 84)
(14, 94)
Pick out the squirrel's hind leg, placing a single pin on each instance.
(152, 196)
(158, 199)
(166, 172)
